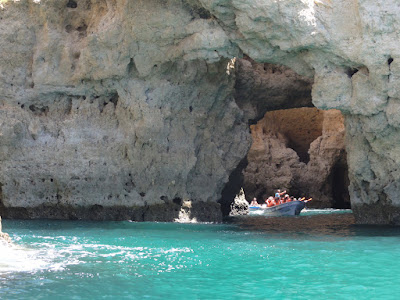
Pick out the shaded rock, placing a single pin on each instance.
(265, 87)
(377, 215)
(302, 151)
(165, 212)
(199, 212)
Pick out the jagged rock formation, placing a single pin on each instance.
(127, 104)
(299, 150)
(239, 206)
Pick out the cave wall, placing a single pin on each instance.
(112, 110)
(263, 87)
(351, 49)
(300, 150)
(119, 61)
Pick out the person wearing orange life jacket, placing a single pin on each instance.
(286, 198)
(282, 199)
(270, 202)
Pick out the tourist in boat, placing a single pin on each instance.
(270, 202)
(287, 198)
(254, 202)
(279, 194)
(304, 199)
(281, 200)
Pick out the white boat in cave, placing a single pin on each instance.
(292, 208)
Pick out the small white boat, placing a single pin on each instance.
(292, 208)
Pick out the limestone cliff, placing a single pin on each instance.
(111, 105)
(115, 110)
(351, 50)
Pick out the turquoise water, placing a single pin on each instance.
(125, 260)
(324, 211)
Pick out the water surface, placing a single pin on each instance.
(126, 260)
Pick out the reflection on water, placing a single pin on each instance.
(304, 257)
(311, 222)
(325, 211)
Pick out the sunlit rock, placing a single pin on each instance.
(127, 105)
(115, 111)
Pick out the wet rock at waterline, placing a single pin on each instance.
(239, 206)
(4, 237)
(128, 105)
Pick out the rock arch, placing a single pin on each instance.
(295, 146)
(176, 127)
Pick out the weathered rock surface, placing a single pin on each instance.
(115, 110)
(351, 48)
(264, 87)
(127, 103)
(298, 150)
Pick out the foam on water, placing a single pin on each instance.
(316, 211)
(53, 254)
(19, 259)
(308, 211)
(123, 260)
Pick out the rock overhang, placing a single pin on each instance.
(53, 50)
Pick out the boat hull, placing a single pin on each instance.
(292, 208)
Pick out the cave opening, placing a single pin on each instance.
(295, 146)
(340, 183)
(297, 128)
(232, 187)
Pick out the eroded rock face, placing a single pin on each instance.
(351, 49)
(114, 111)
(298, 150)
(94, 91)
(265, 87)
